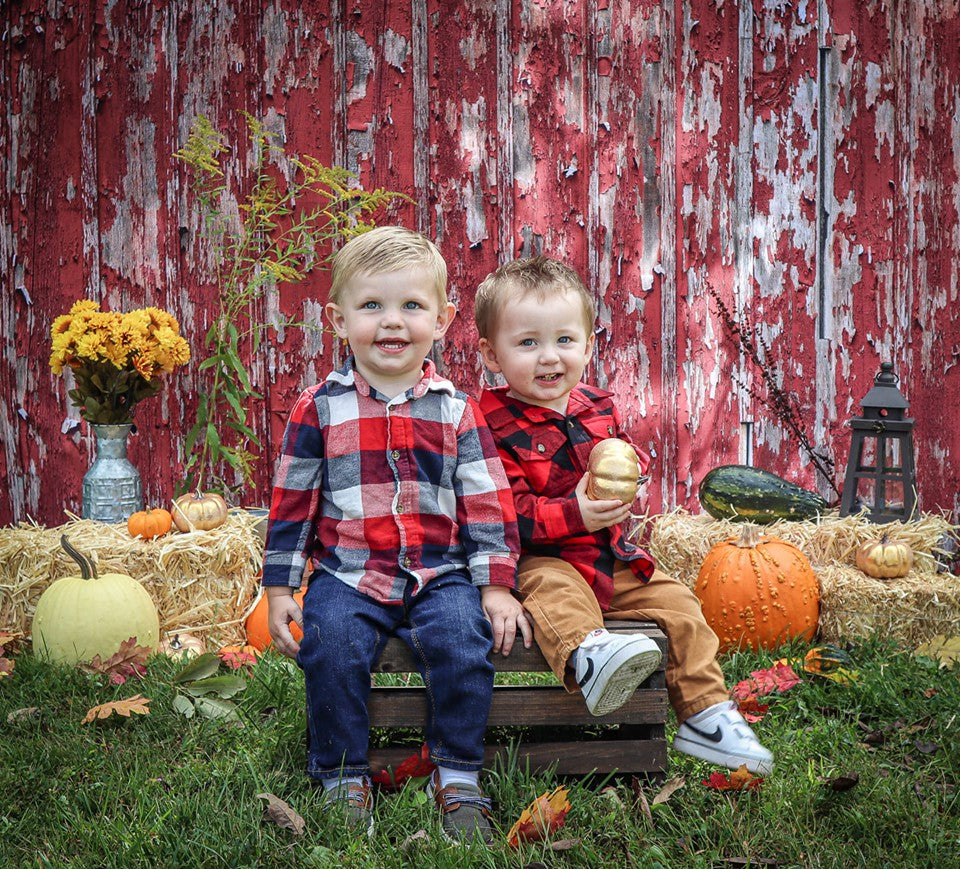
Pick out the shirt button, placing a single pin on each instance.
(407, 561)
(396, 454)
(569, 423)
(399, 508)
(541, 448)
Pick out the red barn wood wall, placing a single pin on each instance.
(800, 160)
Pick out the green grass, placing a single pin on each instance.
(160, 790)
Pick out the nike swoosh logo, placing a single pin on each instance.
(716, 736)
(588, 674)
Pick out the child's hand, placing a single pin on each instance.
(281, 610)
(599, 514)
(505, 614)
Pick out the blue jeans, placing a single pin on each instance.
(345, 632)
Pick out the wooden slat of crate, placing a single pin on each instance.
(632, 739)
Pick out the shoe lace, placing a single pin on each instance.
(475, 800)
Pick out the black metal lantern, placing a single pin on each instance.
(881, 475)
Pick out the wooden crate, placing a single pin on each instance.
(566, 736)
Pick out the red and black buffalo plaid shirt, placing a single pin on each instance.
(545, 454)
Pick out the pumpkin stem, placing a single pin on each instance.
(88, 569)
(749, 537)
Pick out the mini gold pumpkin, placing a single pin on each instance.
(199, 511)
(614, 471)
(885, 558)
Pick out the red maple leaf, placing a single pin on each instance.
(738, 780)
(415, 766)
(779, 677)
(752, 709)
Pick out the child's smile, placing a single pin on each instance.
(541, 349)
(390, 321)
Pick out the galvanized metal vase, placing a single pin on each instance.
(112, 488)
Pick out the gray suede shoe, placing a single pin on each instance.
(356, 803)
(464, 810)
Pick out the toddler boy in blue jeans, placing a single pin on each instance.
(389, 482)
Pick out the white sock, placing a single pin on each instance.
(332, 784)
(457, 776)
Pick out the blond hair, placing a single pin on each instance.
(387, 249)
(539, 275)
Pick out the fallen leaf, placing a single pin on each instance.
(640, 799)
(563, 844)
(843, 782)
(282, 814)
(421, 837)
(780, 677)
(752, 709)
(415, 766)
(544, 815)
(6, 667)
(129, 661)
(237, 660)
(184, 705)
(222, 686)
(135, 704)
(750, 861)
(28, 713)
(738, 780)
(215, 708)
(669, 789)
(199, 668)
(945, 650)
(927, 747)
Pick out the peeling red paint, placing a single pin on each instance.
(798, 159)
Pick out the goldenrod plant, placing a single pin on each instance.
(276, 233)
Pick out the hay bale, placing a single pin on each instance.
(201, 581)
(853, 605)
(911, 610)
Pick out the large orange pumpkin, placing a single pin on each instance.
(758, 591)
(258, 633)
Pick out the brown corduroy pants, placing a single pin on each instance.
(565, 610)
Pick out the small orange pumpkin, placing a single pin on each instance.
(258, 631)
(614, 471)
(885, 558)
(150, 523)
(199, 511)
(758, 591)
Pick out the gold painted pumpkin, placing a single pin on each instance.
(758, 592)
(613, 471)
(182, 645)
(885, 558)
(149, 523)
(199, 511)
(80, 617)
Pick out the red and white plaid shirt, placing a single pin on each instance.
(545, 453)
(380, 492)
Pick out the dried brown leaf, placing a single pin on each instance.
(282, 814)
(843, 782)
(669, 789)
(28, 713)
(563, 844)
(640, 799)
(6, 667)
(136, 704)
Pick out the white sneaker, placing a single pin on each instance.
(609, 668)
(723, 736)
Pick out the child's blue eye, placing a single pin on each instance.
(527, 342)
(565, 339)
(369, 306)
(411, 306)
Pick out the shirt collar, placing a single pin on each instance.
(430, 381)
(496, 396)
